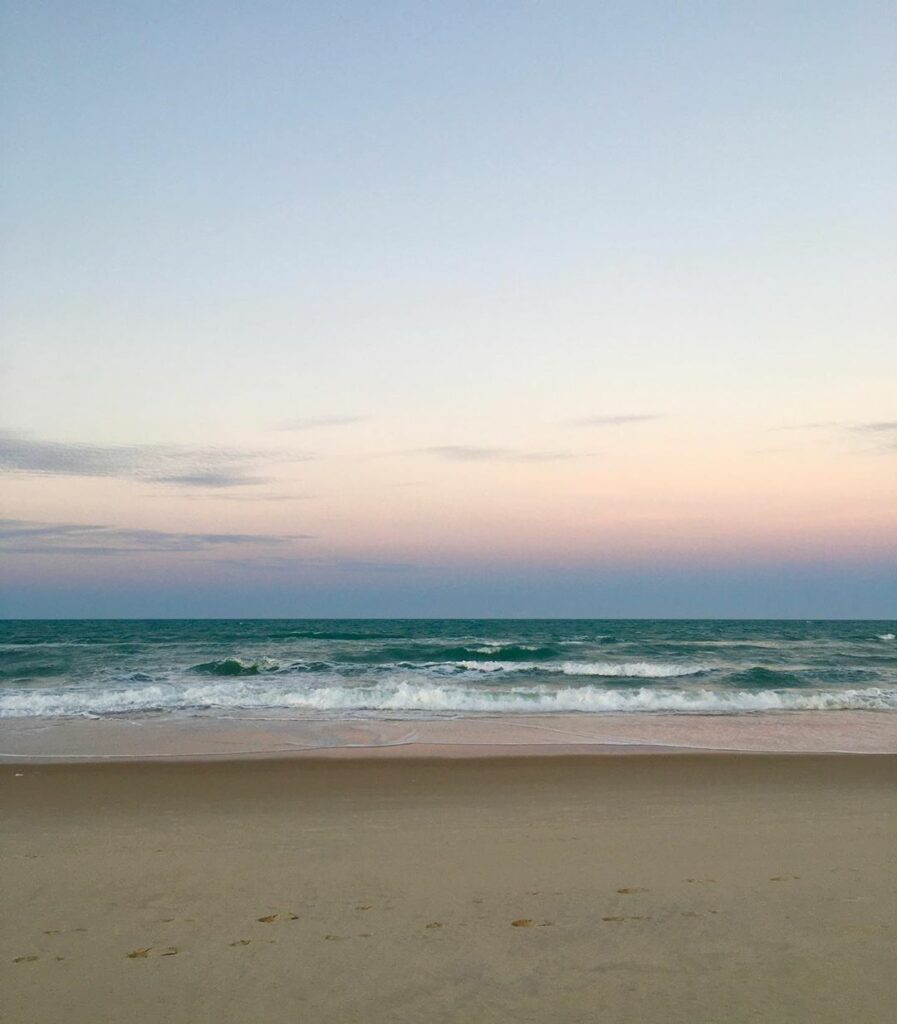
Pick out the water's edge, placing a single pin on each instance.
(245, 736)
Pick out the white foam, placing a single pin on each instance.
(491, 646)
(607, 669)
(630, 670)
(403, 695)
(887, 636)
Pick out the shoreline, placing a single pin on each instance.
(252, 736)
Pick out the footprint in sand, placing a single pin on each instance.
(25, 959)
(435, 924)
(240, 942)
(148, 951)
(523, 922)
(366, 907)
(631, 889)
(629, 917)
(335, 938)
(273, 918)
(785, 878)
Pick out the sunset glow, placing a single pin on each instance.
(382, 328)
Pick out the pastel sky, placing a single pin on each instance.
(574, 309)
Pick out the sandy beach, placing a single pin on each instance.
(692, 887)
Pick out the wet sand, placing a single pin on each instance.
(244, 734)
(654, 888)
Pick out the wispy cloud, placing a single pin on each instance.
(615, 420)
(296, 564)
(254, 498)
(27, 537)
(176, 465)
(476, 453)
(313, 422)
(870, 426)
(883, 433)
(877, 427)
(211, 478)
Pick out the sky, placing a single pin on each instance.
(468, 309)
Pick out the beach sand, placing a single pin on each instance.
(653, 888)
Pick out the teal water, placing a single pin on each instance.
(431, 668)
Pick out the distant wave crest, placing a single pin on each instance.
(607, 669)
(416, 654)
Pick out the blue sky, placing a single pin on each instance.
(377, 308)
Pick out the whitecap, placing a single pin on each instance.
(402, 695)
(607, 669)
(630, 669)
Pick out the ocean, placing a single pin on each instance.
(424, 668)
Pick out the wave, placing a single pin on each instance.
(764, 678)
(32, 672)
(403, 696)
(32, 644)
(607, 669)
(415, 654)
(237, 667)
(887, 636)
(630, 669)
(338, 634)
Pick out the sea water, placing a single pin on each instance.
(444, 668)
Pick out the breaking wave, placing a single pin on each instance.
(403, 696)
(430, 668)
(609, 670)
(482, 651)
(237, 667)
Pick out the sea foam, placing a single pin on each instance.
(610, 670)
(406, 696)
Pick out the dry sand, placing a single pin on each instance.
(695, 888)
